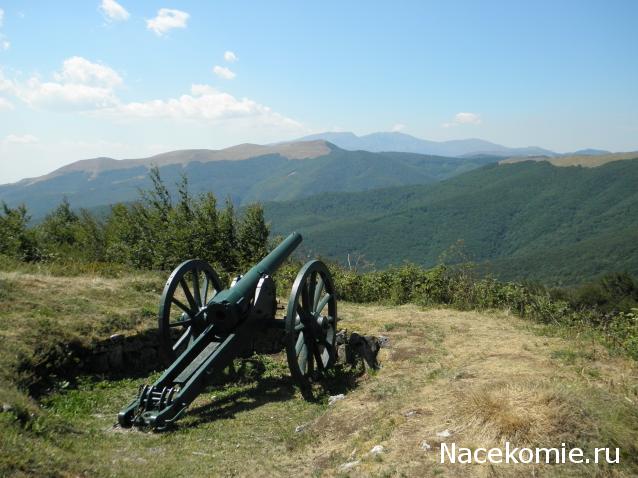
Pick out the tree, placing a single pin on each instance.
(229, 253)
(59, 228)
(252, 235)
(90, 237)
(16, 239)
(206, 224)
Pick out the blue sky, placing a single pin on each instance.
(124, 79)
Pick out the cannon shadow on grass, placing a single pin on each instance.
(341, 379)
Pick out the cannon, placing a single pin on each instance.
(203, 327)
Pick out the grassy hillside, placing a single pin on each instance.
(524, 220)
(264, 178)
(472, 378)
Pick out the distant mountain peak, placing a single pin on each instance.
(406, 143)
(290, 150)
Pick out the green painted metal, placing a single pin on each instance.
(311, 327)
(212, 331)
(193, 322)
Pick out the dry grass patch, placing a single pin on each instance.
(485, 380)
(524, 413)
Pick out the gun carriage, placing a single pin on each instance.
(203, 326)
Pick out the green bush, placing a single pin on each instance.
(156, 232)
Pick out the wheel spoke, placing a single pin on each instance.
(301, 313)
(312, 284)
(181, 340)
(181, 306)
(317, 355)
(318, 289)
(322, 304)
(308, 348)
(198, 297)
(300, 343)
(302, 361)
(305, 302)
(206, 283)
(325, 355)
(189, 296)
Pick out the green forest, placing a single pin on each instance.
(524, 221)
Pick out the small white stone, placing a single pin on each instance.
(300, 428)
(444, 434)
(335, 398)
(376, 450)
(350, 465)
(425, 446)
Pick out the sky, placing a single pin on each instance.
(89, 78)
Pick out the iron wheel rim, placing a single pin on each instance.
(187, 290)
(310, 347)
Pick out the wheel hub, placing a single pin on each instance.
(323, 323)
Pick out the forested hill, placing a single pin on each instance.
(525, 220)
(245, 174)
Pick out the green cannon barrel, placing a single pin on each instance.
(243, 289)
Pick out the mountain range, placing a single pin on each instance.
(245, 173)
(396, 141)
(327, 162)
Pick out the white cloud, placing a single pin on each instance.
(467, 118)
(398, 127)
(113, 11)
(6, 44)
(223, 72)
(166, 20)
(65, 96)
(230, 56)
(80, 85)
(5, 105)
(463, 118)
(80, 70)
(204, 103)
(20, 139)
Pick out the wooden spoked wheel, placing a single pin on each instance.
(182, 315)
(311, 323)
